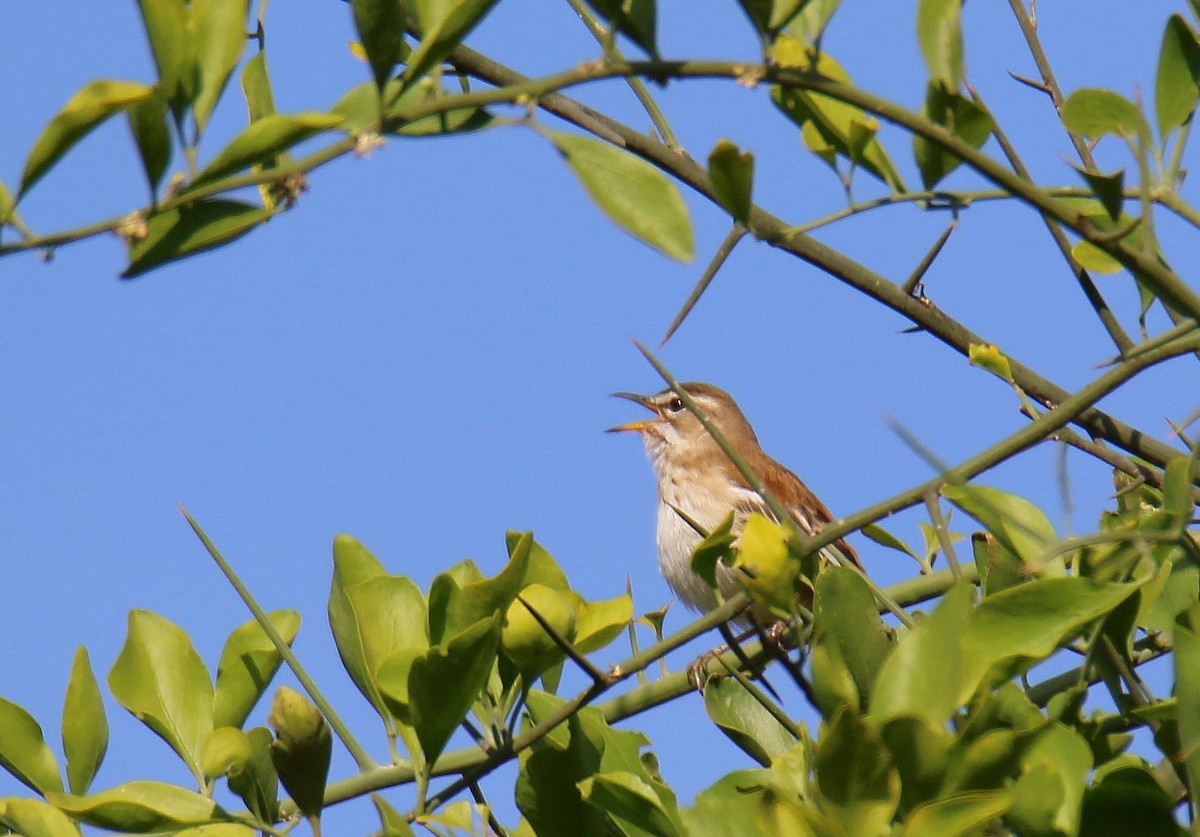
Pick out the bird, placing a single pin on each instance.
(698, 483)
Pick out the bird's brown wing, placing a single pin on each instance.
(807, 509)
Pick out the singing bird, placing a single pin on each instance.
(696, 478)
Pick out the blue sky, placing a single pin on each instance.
(421, 352)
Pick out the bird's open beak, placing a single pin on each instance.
(637, 426)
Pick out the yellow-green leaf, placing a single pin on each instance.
(959, 115)
(446, 680)
(1016, 523)
(23, 750)
(731, 172)
(264, 138)
(989, 357)
(635, 195)
(256, 87)
(1096, 112)
(248, 662)
(166, 24)
(95, 102)
(148, 124)
(141, 806)
(34, 818)
(161, 680)
(939, 31)
(84, 725)
(1092, 258)
(438, 41)
(218, 34)
(373, 615)
(1177, 84)
(766, 565)
(380, 25)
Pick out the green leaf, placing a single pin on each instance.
(921, 677)
(248, 662)
(218, 32)
(446, 681)
(939, 32)
(845, 615)
(1015, 628)
(957, 114)
(984, 762)
(439, 41)
(301, 750)
(634, 18)
(1177, 85)
(23, 750)
(715, 547)
(599, 623)
(547, 789)
(1177, 491)
(1017, 524)
(95, 102)
(221, 829)
(152, 135)
(832, 683)
(988, 356)
(810, 23)
(965, 813)
(166, 24)
(745, 721)
(1187, 691)
(829, 127)
(855, 775)
(921, 752)
(256, 782)
(360, 109)
(227, 749)
(34, 818)
(161, 680)
(141, 807)
(1178, 593)
(759, 12)
(380, 25)
(190, 229)
(1127, 800)
(631, 801)
(998, 567)
(1093, 259)
(84, 725)
(731, 171)
(1110, 191)
(632, 193)
(394, 823)
(6, 205)
(1094, 113)
(263, 139)
(256, 87)
(756, 802)
(372, 615)
(1048, 795)
(883, 537)
(457, 608)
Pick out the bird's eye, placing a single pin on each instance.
(674, 405)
